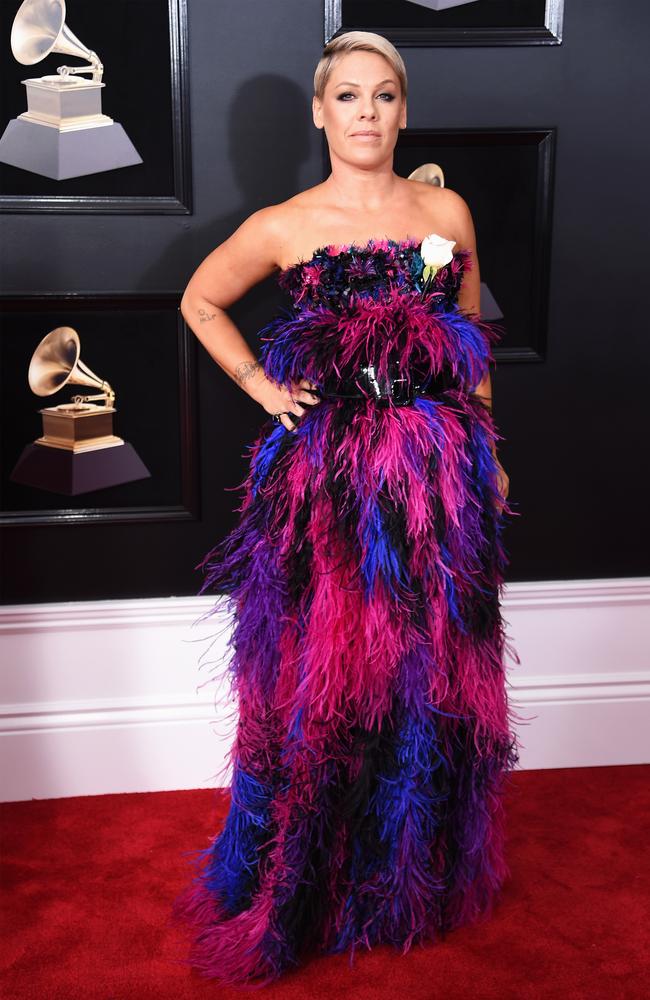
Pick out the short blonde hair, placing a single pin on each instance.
(350, 41)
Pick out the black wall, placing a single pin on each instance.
(573, 424)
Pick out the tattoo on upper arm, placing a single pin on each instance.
(246, 370)
(205, 316)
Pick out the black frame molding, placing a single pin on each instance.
(189, 508)
(180, 203)
(549, 33)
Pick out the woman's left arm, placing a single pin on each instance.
(469, 300)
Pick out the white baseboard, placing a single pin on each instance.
(118, 696)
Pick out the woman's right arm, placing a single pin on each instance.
(226, 274)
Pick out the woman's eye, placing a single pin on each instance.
(391, 97)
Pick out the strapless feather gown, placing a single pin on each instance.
(363, 577)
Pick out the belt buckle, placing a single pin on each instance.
(401, 392)
(369, 379)
(394, 387)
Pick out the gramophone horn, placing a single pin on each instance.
(430, 173)
(39, 28)
(55, 362)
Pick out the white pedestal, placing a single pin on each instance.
(43, 149)
(63, 133)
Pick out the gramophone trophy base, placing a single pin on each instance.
(43, 149)
(78, 452)
(78, 427)
(59, 470)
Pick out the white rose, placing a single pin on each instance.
(435, 251)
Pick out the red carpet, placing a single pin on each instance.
(87, 885)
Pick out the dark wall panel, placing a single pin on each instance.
(572, 421)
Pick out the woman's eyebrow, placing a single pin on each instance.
(348, 83)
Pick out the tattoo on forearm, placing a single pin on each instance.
(246, 370)
(205, 316)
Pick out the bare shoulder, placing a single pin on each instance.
(299, 224)
(258, 236)
(446, 212)
(452, 208)
(248, 256)
(262, 243)
(272, 231)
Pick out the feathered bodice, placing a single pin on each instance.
(348, 274)
(357, 305)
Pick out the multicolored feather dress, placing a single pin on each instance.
(362, 579)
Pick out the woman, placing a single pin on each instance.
(373, 735)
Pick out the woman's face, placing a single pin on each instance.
(362, 95)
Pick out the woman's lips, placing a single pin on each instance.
(365, 135)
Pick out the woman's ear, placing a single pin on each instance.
(316, 110)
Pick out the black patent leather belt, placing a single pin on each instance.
(366, 383)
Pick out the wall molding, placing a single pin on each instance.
(103, 697)
(51, 715)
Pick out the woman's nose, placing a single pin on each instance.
(367, 111)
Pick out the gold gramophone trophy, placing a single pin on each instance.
(78, 451)
(63, 133)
